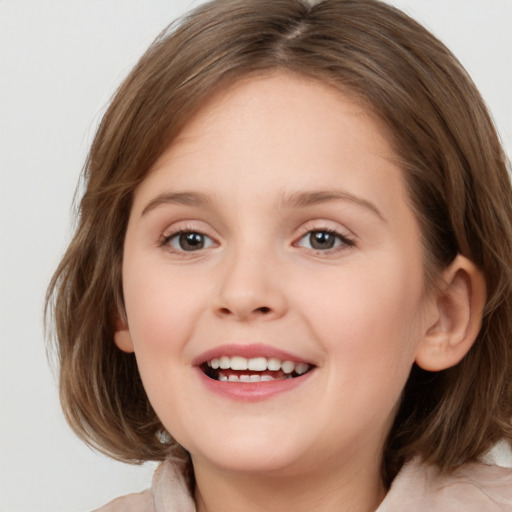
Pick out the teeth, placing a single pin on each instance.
(274, 364)
(257, 364)
(288, 367)
(248, 378)
(301, 368)
(239, 363)
(225, 362)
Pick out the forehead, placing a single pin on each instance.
(279, 129)
(279, 96)
(281, 108)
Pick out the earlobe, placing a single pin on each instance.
(459, 308)
(122, 336)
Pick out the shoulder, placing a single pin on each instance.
(169, 492)
(137, 502)
(473, 487)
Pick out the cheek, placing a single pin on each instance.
(161, 308)
(369, 320)
(162, 312)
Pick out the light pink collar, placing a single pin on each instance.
(475, 487)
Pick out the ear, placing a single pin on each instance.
(122, 336)
(458, 309)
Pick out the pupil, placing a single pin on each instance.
(321, 240)
(191, 241)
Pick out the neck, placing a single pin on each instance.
(348, 490)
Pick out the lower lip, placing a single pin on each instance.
(252, 391)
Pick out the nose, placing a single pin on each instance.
(250, 289)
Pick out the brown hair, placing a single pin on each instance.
(453, 165)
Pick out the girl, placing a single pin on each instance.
(291, 279)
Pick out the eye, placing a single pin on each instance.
(323, 240)
(188, 241)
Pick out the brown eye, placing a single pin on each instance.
(321, 240)
(324, 240)
(189, 241)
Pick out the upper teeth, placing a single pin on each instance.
(257, 364)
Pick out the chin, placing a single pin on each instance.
(254, 463)
(250, 455)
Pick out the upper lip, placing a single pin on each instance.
(248, 351)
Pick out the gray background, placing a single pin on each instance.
(60, 61)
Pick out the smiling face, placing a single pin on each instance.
(273, 243)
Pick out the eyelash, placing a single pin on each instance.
(342, 242)
(166, 240)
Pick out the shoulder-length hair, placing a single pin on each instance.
(445, 143)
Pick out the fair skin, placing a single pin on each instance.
(278, 226)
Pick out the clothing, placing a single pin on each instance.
(475, 487)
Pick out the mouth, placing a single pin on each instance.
(251, 370)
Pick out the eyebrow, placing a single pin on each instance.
(304, 199)
(184, 198)
(289, 200)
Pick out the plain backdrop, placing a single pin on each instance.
(60, 62)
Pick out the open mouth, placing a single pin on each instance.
(257, 369)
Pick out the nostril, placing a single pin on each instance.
(242, 312)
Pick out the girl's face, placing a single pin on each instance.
(275, 233)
